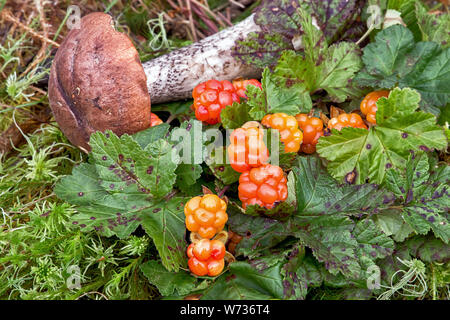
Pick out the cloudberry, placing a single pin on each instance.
(263, 186)
(206, 257)
(206, 215)
(241, 86)
(290, 134)
(368, 105)
(247, 149)
(312, 128)
(346, 120)
(211, 97)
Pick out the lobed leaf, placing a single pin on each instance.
(394, 59)
(369, 153)
(168, 282)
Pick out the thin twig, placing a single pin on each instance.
(209, 12)
(237, 4)
(191, 21)
(7, 16)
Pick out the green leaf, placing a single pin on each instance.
(318, 194)
(273, 98)
(120, 215)
(258, 233)
(164, 223)
(424, 195)
(283, 27)
(322, 222)
(372, 242)
(267, 281)
(168, 282)
(235, 116)
(392, 223)
(220, 168)
(299, 274)
(368, 153)
(433, 27)
(331, 69)
(244, 282)
(428, 249)
(341, 62)
(124, 188)
(123, 166)
(407, 9)
(329, 238)
(280, 211)
(251, 52)
(147, 136)
(187, 175)
(394, 59)
(85, 181)
(189, 141)
(158, 172)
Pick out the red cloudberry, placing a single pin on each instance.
(211, 97)
(263, 186)
(312, 128)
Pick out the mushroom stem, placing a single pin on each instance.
(173, 76)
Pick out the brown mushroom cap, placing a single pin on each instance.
(97, 82)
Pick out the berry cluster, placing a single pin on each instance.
(260, 183)
(264, 186)
(247, 149)
(346, 120)
(312, 128)
(212, 96)
(290, 134)
(206, 215)
(206, 257)
(368, 105)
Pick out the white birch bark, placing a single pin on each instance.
(173, 76)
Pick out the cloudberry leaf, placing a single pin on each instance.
(235, 116)
(425, 248)
(244, 282)
(123, 188)
(151, 134)
(274, 97)
(187, 175)
(330, 68)
(300, 274)
(319, 195)
(394, 59)
(369, 153)
(281, 27)
(434, 27)
(322, 222)
(259, 233)
(392, 224)
(168, 282)
(425, 196)
(82, 187)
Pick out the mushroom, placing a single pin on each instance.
(97, 81)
